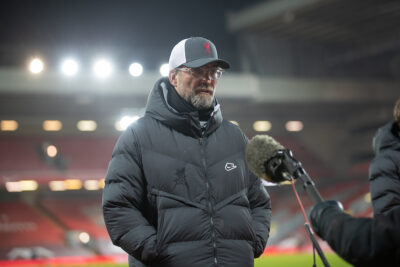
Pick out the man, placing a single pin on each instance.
(384, 171)
(364, 241)
(178, 191)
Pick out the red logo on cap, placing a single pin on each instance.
(207, 47)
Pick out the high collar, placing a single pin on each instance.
(186, 122)
(387, 137)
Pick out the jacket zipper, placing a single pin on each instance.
(209, 204)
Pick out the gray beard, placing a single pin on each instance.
(200, 102)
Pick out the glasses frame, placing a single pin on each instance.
(213, 73)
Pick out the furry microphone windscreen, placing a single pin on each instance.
(259, 150)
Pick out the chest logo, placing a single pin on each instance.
(230, 166)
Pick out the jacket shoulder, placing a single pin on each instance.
(235, 130)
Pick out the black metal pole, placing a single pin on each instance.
(316, 245)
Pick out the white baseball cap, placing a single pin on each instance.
(195, 52)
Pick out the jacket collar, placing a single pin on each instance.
(187, 123)
(386, 137)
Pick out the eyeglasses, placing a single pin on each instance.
(211, 73)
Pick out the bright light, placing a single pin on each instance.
(69, 67)
(84, 237)
(124, 123)
(135, 69)
(102, 183)
(235, 122)
(262, 126)
(164, 70)
(51, 151)
(57, 186)
(91, 185)
(73, 184)
(52, 125)
(13, 187)
(367, 197)
(8, 125)
(86, 125)
(23, 185)
(102, 68)
(36, 66)
(28, 185)
(294, 126)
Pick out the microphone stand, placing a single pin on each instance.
(285, 167)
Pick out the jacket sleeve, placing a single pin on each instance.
(384, 178)
(123, 201)
(362, 241)
(260, 206)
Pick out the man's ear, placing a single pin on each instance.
(173, 76)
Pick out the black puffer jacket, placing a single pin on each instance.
(384, 172)
(175, 196)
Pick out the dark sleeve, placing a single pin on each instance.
(123, 201)
(260, 206)
(362, 241)
(385, 182)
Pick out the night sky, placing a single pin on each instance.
(144, 31)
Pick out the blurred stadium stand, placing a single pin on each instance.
(333, 65)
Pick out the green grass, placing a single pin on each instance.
(286, 260)
(299, 260)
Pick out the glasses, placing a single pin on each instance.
(210, 73)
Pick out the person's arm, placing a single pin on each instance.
(384, 183)
(260, 206)
(360, 241)
(123, 196)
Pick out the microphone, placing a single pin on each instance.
(269, 160)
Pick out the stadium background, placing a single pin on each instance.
(318, 76)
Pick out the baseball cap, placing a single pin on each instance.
(195, 52)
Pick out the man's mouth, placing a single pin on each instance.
(204, 91)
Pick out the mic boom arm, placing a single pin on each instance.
(284, 167)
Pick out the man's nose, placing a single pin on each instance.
(208, 77)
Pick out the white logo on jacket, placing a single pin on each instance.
(230, 166)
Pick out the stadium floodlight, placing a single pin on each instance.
(91, 185)
(57, 185)
(262, 126)
(124, 122)
(86, 125)
(73, 184)
(135, 69)
(84, 237)
(102, 183)
(164, 69)
(23, 185)
(52, 125)
(36, 66)
(28, 185)
(294, 126)
(8, 125)
(69, 67)
(102, 68)
(13, 187)
(51, 151)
